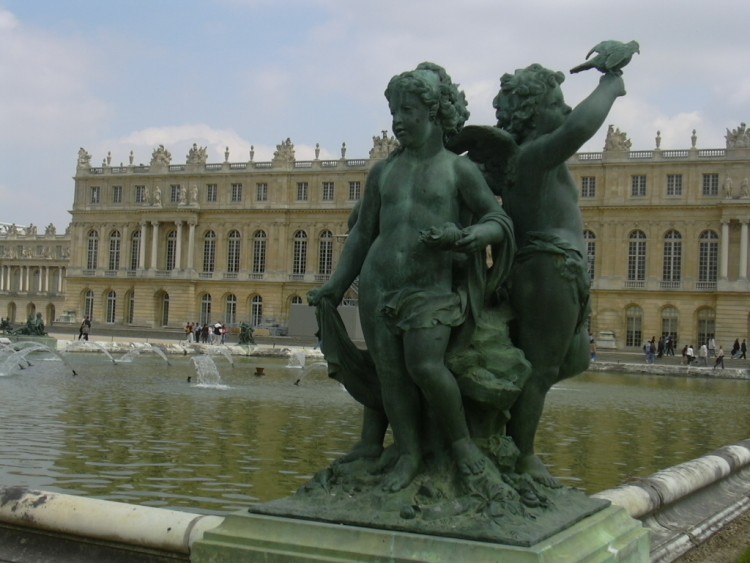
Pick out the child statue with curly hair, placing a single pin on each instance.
(549, 283)
(408, 299)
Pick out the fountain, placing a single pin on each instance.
(208, 374)
(15, 355)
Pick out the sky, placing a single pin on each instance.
(115, 76)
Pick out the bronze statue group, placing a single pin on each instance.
(457, 290)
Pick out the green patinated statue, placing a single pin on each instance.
(524, 157)
(470, 310)
(34, 327)
(246, 334)
(410, 301)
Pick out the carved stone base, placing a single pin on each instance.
(608, 535)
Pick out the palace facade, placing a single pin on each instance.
(162, 244)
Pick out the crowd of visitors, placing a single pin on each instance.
(205, 333)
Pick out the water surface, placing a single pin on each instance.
(138, 432)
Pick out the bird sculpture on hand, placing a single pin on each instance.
(611, 56)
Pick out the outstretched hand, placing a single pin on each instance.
(475, 238)
(315, 296)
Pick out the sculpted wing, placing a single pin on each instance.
(490, 147)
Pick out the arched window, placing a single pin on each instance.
(233, 252)
(708, 257)
(259, 252)
(88, 305)
(129, 307)
(672, 271)
(256, 311)
(637, 256)
(299, 261)
(706, 325)
(171, 250)
(135, 249)
(590, 239)
(209, 251)
(165, 309)
(92, 257)
(669, 318)
(296, 300)
(634, 330)
(230, 309)
(114, 250)
(111, 307)
(206, 309)
(325, 254)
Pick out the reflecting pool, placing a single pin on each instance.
(139, 432)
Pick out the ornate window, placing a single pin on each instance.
(88, 305)
(165, 309)
(212, 191)
(261, 192)
(706, 325)
(135, 249)
(92, 255)
(327, 191)
(355, 191)
(209, 251)
(708, 257)
(669, 318)
(114, 250)
(174, 193)
(637, 256)
(116, 194)
(233, 252)
(299, 254)
(588, 186)
(674, 184)
(259, 252)
(710, 184)
(302, 191)
(256, 311)
(206, 309)
(325, 264)
(230, 309)
(236, 193)
(672, 271)
(638, 185)
(111, 307)
(96, 194)
(129, 307)
(634, 332)
(140, 194)
(590, 239)
(171, 249)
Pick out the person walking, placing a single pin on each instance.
(703, 354)
(743, 350)
(719, 358)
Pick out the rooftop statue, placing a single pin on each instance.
(161, 156)
(197, 155)
(738, 138)
(470, 312)
(616, 140)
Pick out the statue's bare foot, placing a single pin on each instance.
(402, 474)
(531, 465)
(470, 459)
(362, 451)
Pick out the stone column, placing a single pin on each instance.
(142, 250)
(154, 242)
(178, 248)
(723, 269)
(60, 276)
(2, 278)
(743, 249)
(191, 246)
(40, 285)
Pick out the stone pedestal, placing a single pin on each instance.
(607, 535)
